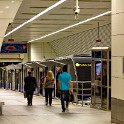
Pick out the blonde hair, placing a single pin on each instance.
(50, 75)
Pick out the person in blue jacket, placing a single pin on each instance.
(65, 87)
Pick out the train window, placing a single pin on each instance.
(104, 54)
(84, 72)
(98, 54)
(98, 67)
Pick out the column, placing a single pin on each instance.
(117, 43)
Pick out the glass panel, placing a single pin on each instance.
(104, 73)
(92, 54)
(98, 67)
(98, 54)
(104, 54)
(104, 97)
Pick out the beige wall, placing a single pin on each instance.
(36, 52)
(40, 50)
(117, 49)
(13, 57)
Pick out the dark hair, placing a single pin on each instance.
(29, 72)
(65, 68)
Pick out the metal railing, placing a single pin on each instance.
(82, 92)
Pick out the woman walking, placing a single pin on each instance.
(49, 86)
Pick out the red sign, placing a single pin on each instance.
(11, 40)
(98, 41)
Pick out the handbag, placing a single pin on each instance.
(71, 97)
(25, 95)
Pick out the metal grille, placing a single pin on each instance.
(82, 42)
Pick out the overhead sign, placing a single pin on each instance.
(14, 48)
(78, 64)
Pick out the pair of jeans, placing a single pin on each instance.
(29, 95)
(48, 95)
(64, 98)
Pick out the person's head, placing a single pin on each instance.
(29, 73)
(50, 75)
(65, 67)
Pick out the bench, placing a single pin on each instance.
(1, 104)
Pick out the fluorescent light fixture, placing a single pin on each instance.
(35, 17)
(7, 7)
(12, 1)
(87, 20)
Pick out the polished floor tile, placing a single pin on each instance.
(16, 111)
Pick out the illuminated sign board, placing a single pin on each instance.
(14, 48)
(78, 65)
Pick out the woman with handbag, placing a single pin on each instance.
(49, 82)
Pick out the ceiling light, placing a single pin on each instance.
(7, 7)
(87, 20)
(35, 17)
(12, 1)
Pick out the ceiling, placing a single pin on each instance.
(56, 19)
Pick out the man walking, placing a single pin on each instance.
(29, 87)
(65, 86)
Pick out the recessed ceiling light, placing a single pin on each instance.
(82, 22)
(35, 17)
(7, 7)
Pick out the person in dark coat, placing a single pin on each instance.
(29, 87)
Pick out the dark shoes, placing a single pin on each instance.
(47, 104)
(67, 110)
(63, 110)
(29, 104)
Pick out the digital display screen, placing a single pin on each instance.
(14, 48)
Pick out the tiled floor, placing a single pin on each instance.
(15, 111)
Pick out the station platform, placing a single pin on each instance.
(16, 111)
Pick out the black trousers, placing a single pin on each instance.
(64, 97)
(29, 97)
(48, 95)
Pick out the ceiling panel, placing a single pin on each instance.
(56, 19)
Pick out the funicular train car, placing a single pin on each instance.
(79, 66)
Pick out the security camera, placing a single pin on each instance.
(76, 11)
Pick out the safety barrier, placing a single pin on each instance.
(82, 92)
